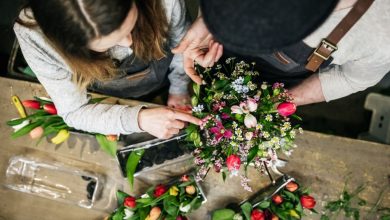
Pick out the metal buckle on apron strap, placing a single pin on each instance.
(325, 49)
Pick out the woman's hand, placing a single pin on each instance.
(180, 102)
(164, 122)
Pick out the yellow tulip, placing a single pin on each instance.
(62, 135)
(294, 214)
(173, 191)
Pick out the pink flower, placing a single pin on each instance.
(249, 135)
(218, 106)
(252, 104)
(236, 109)
(286, 109)
(233, 162)
(225, 116)
(219, 131)
(250, 121)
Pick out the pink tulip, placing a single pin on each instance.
(233, 162)
(286, 109)
(36, 132)
(250, 121)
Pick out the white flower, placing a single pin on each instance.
(251, 104)
(259, 126)
(264, 86)
(21, 125)
(198, 108)
(250, 121)
(268, 118)
(128, 214)
(237, 216)
(248, 136)
(184, 208)
(145, 196)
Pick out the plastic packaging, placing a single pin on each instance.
(54, 181)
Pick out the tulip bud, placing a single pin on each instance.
(173, 191)
(190, 190)
(154, 213)
(308, 202)
(159, 190)
(286, 109)
(50, 108)
(129, 202)
(233, 162)
(36, 132)
(257, 215)
(31, 104)
(277, 199)
(275, 217)
(291, 186)
(112, 137)
(185, 178)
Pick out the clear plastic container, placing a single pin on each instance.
(53, 181)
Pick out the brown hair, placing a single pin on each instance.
(71, 24)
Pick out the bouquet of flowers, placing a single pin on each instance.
(172, 202)
(243, 122)
(44, 122)
(286, 204)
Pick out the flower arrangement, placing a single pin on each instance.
(172, 202)
(286, 204)
(45, 122)
(243, 122)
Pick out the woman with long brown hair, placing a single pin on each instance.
(117, 47)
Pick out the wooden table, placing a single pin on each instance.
(321, 162)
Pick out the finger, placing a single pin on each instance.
(190, 70)
(186, 117)
(176, 124)
(209, 57)
(219, 53)
(173, 131)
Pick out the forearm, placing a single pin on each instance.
(309, 91)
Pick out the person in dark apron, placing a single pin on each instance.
(269, 33)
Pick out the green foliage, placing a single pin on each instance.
(107, 145)
(132, 163)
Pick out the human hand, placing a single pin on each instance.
(180, 102)
(164, 122)
(198, 45)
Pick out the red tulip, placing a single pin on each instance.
(286, 109)
(129, 202)
(233, 162)
(50, 108)
(308, 202)
(185, 178)
(31, 104)
(292, 186)
(159, 190)
(257, 215)
(277, 199)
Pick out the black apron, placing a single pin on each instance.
(136, 78)
(286, 65)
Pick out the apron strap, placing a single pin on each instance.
(329, 44)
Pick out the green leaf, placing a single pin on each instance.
(251, 155)
(120, 196)
(145, 200)
(194, 101)
(118, 215)
(290, 196)
(96, 100)
(296, 117)
(132, 163)
(169, 205)
(32, 116)
(106, 145)
(223, 214)
(196, 89)
(220, 84)
(42, 101)
(26, 129)
(143, 212)
(324, 217)
(264, 204)
(246, 209)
